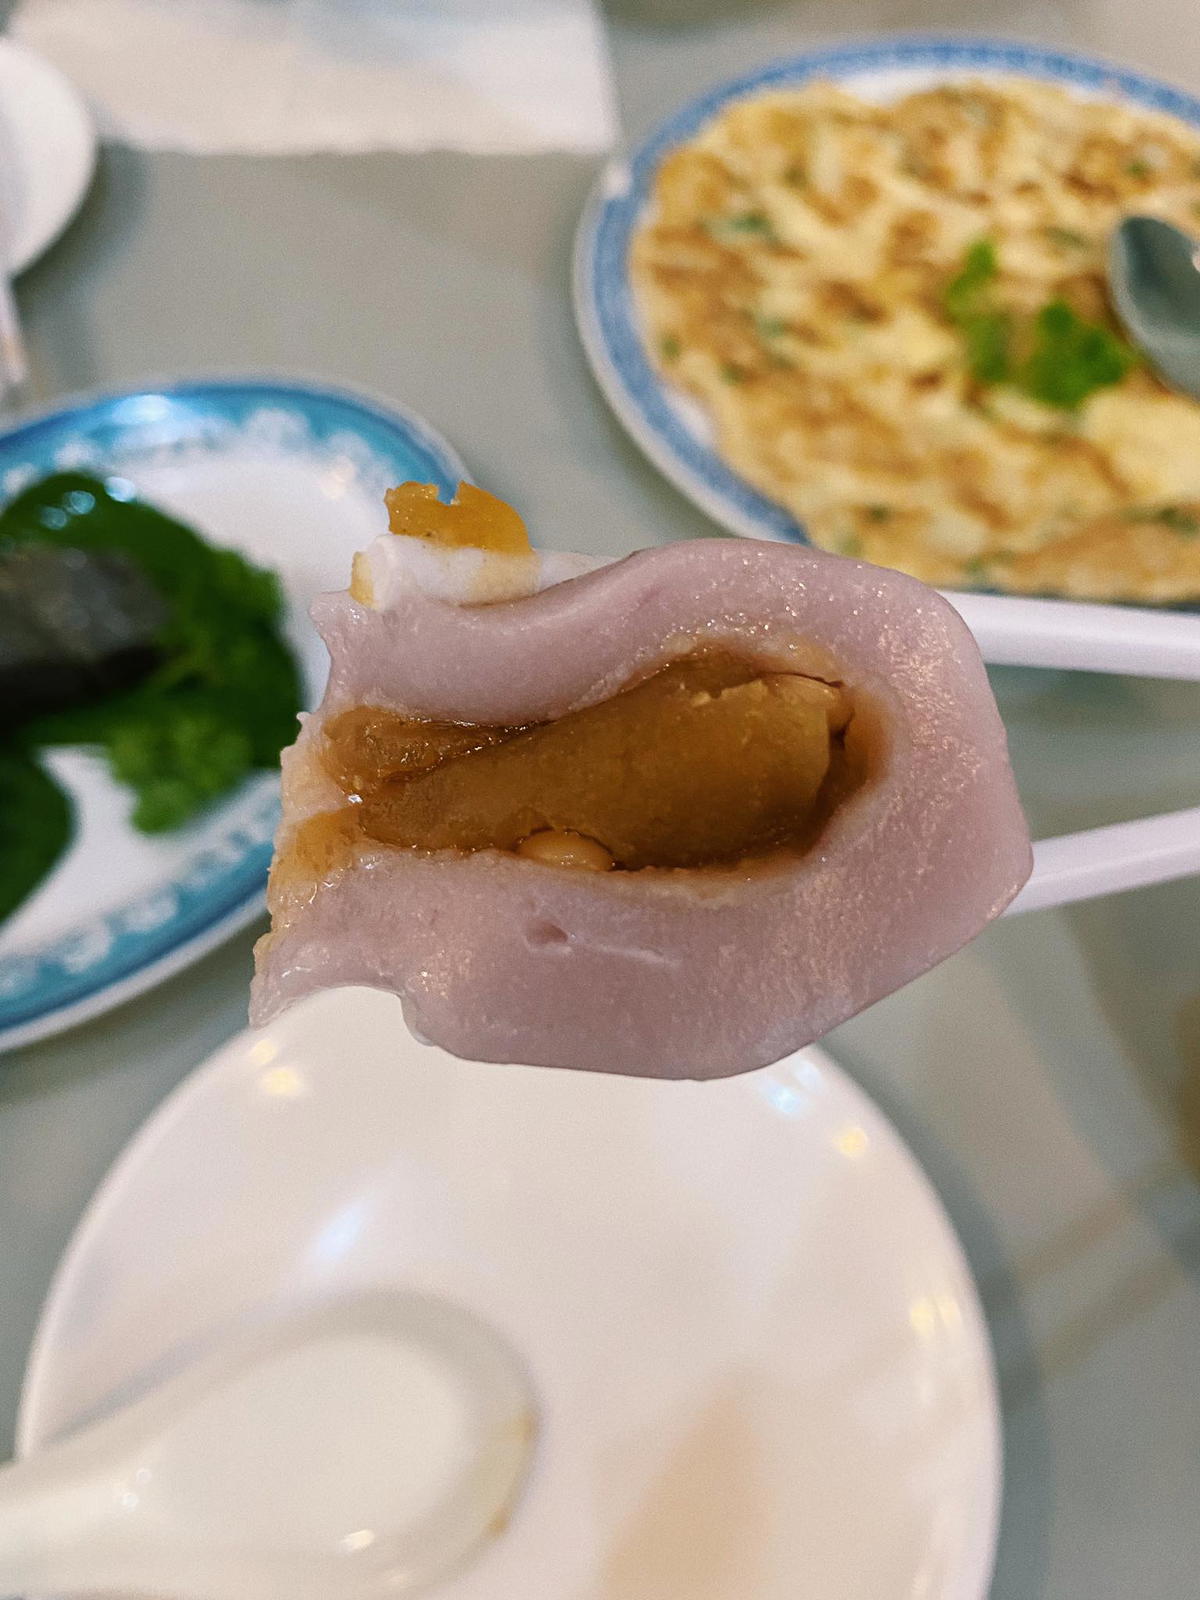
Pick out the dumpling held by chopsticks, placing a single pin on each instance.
(676, 816)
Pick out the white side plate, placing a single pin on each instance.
(758, 1353)
(47, 152)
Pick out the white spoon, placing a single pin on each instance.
(363, 1449)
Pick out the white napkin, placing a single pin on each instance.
(273, 76)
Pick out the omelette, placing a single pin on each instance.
(896, 319)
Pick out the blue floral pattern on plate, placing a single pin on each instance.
(604, 303)
(220, 888)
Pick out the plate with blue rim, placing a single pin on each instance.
(672, 429)
(290, 474)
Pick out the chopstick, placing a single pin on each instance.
(14, 362)
(1125, 855)
(1128, 640)
(1012, 631)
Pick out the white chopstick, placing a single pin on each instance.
(1125, 855)
(14, 363)
(1012, 631)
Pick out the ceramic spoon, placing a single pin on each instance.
(1154, 278)
(361, 1450)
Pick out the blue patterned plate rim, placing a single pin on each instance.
(604, 305)
(121, 953)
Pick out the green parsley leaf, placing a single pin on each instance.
(1071, 358)
(1068, 358)
(770, 327)
(669, 347)
(1174, 517)
(986, 330)
(748, 222)
(1067, 238)
(980, 269)
(988, 335)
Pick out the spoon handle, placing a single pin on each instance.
(61, 1525)
(357, 1451)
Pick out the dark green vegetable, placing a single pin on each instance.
(225, 694)
(35, 825)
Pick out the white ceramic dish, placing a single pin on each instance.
(758, 1353)
(47, 152)
(292, 475)
(672, 428)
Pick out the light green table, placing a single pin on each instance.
(1049, 1077)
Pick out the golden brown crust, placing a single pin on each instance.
(792, 277)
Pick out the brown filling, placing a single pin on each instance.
(710, 760)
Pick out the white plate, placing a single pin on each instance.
(47, 151)
(293, 475)
(759, 1355)
(672, 428)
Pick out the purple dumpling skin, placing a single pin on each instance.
(695, 973)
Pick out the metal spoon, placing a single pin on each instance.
(358, 1452)
(1154, 279)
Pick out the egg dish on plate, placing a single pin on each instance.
(896, 318)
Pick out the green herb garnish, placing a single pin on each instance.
(669, 347)
(748, 222)
(1138, 168)
(1174, 517)
(979, 271)
(1067, 238)
(224, 697)
(731, 373)
(770, 327)
(969, 303)
(878, 513)
(1066, 358)
(1071, 358)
